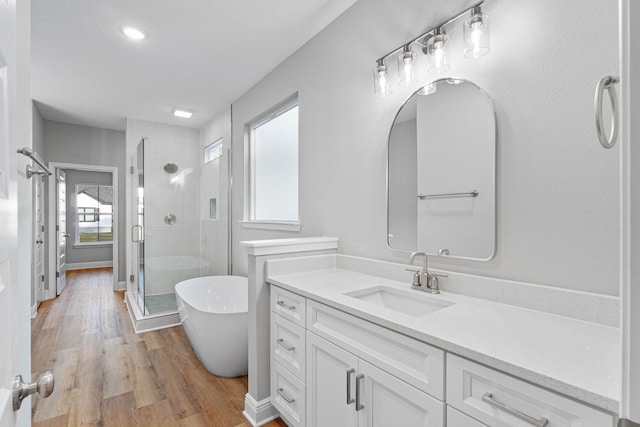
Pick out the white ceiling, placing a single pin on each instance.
(200, 55)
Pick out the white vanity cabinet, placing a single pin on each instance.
(330, 368)
(344, 390)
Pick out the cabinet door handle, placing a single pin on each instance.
(359, 405)
(537, 422)
(288, 307)
(286, 346)
(350, 400)
(285, 397)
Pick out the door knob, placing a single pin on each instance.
(39, 241)
(43, 386)
(67, 235)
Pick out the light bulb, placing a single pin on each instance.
(381, 80)
(476, 34)
(437, 57)
(406, 69)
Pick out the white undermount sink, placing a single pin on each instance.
(410, 302)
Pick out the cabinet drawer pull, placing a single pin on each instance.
(540, 422)
(288, 307)
(350, 400)
(284, 345)
(285, 397)
(359, 405)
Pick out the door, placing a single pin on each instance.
(389, 401)
(61, 227)
(15, 357)
(629, 11)
(331, 376)
(38, 235)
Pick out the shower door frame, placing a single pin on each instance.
(51, 221)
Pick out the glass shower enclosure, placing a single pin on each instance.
(174, 235)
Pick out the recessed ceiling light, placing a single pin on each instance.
(134, 33)
(182, 113)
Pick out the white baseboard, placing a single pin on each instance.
(34, 310)
(122, 286)
(258, 413)
(86, 265)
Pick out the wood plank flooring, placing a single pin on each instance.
(107, 375)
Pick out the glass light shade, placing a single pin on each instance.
(437, 55)
(381, 80)
(476, 35)
(406, 67)
(428, 89)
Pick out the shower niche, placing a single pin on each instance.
(171, 239)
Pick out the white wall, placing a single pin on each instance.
(37, 143)
(84, 145)
(557, 189)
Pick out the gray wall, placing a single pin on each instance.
(85, 145)
(81, 254)
(558, 203)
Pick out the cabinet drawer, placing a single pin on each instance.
(288, 305)
(288, 345)
(458, 419)
(287, 395)
(415, 362)
(498, 399)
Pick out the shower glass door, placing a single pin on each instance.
(138, 227)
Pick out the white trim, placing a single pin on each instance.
(92, 244)
(34, 310)
(272, 225)
(51, 221)
(89, 264)
(283, 246)
(259, 413)
(149, 323)
(630, 207)
(122, 286)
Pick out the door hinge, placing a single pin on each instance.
(42, 278)
(57, 228)
(132, 278)
(42, 228)
(57, 274)
(132, 170)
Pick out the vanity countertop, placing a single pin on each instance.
(573, 357)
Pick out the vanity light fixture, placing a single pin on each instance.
(182, 113)
(476, 34)
(406, 66)
(437, 59)
(134, 33)
(434, 44)
(428, 89)
(381, 79)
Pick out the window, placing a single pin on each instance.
(273, 167)
(213, 151)
(94, 214)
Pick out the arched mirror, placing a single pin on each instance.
(441, 176)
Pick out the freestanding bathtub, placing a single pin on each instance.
(213, 311)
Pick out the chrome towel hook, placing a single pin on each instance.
(607, 83)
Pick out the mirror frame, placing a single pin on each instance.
(495, 173)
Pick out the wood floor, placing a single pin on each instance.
(107, 375)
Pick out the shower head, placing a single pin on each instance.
(170, 168)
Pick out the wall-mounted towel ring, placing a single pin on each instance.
(607, 83)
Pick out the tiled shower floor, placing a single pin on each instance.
(160, 303)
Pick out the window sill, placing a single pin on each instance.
(92, 244)
(272, 225)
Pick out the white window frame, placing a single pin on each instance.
(249, 211)
(77, 242)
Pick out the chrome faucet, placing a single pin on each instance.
(422, 279)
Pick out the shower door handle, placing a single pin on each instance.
(139, 234)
